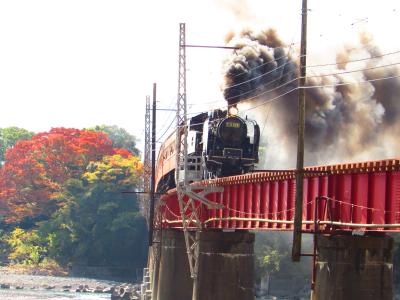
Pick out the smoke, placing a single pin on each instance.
(239, 8)
(350, 116)
(259, 65)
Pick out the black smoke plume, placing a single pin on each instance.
(350, 115)
(259, 64)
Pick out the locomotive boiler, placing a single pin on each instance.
(220, 143)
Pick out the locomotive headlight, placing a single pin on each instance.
(233, 111)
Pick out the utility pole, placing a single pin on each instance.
(153, 168)
(298, 218)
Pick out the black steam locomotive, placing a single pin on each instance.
(227, 143)
(220, 143)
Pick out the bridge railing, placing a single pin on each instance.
(359, 196)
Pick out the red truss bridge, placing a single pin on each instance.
(358, 196)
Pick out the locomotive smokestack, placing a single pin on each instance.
(351, 112)
(233, 110)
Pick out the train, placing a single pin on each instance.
(220, 143)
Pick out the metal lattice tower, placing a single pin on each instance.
(186, 195)
(181, 158)
(147, 160)
(147, 148)
(181, 112)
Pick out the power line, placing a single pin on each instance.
(312, 66)
(350, 83)
(170, 105)
(261, 75)
(322, 86)
(305, 87)
(295, 71)
(265, 63)
(355, 60)
(354, 71)
(169, 126)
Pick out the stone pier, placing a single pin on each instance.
(226, 267)
(354, 267)
(174, 281)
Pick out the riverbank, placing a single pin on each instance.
(48, 270)
(9, 280)
(48, 295)
(33, 286)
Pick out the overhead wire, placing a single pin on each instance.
(170, 105)
(354, 71)
(312, 66)
(299, 56)
(269, 108)
(283, 56)
(162, 135)
(312, 76)
(265, 63)
(350, 83)
(292, 90)
(354, 60)
(305, 87)
(362, 19)
(323, 86)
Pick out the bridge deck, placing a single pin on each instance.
(358, 196)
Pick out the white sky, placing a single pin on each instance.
(79, 63)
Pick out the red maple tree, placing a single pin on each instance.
(35, 170)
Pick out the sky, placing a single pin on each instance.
(80, 63)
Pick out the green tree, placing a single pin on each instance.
(26, 247)
(269, 254)
(9, 136)
(273, 255)
(119, 137)
(99, 225)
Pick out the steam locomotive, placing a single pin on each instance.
(220, 143)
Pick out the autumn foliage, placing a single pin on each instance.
(32, 178)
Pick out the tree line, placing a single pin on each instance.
(62, 200)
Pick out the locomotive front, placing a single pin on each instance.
(231, 146)
(232, 132)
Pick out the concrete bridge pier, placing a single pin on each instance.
(354, 267)
(226, 267)
(174, 281)
(153, 266)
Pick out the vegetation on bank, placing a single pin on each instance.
(274, 262)
(62, 202)
(273, 256)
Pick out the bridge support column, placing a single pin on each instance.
(174, 281)
(226, 266)
(154, 268)
(354, 267)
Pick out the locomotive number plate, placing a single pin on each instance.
(232, 125)
(232, 153)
